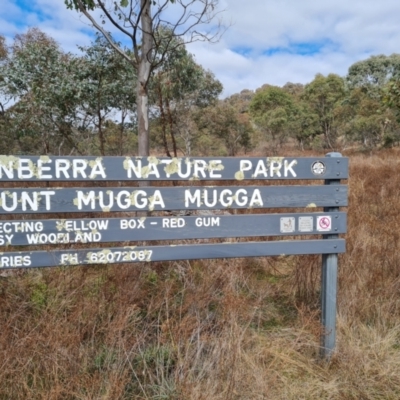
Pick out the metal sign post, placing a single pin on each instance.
(329, 276)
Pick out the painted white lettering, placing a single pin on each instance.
(136, 169)
(62, 166)
(25, 169)
(5, 198)
(261, 169)
(226, 202)
(256, 199)
(78, 167)
(207, 221)
(110, 199)
(157, 199)
(140, 202)
(153, 170)
(69, 258)
(21, 226)
(241, 201)
(5, 261)
(47, 195)
(85, 200)
(15, 261)
(7, 227)
(97, 169)
(165, 169)
(42, 169)
(33, 203)
(289, 167)
(188, 169)
(125, 196)
(196, 197)
(102, 224)
(177, 223)
(214, 201)
(200, 167)
(275, 167)
(214, 168)
(245, 165)
(8, 171)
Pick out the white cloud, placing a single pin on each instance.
(340, 32)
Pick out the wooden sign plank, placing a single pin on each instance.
(56, 200)
(103, 230)
(168, 253)
(55, 168)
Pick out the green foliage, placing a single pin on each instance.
(275, 113)
(63, 101)
(374, 73)
(223, 121)
(39, 295)
(179, 87)
(324, 96)
(391, 97)
(78, 4)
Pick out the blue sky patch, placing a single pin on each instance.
(303, 49)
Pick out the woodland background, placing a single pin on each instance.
(59, 103)
(217, 329)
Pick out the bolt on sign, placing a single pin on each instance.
(49, 191)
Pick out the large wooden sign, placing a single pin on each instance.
(58, 200)
(175, 213)
(52, 168)
(43, 203)
(128, 229)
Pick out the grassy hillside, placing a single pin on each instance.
(234, 329)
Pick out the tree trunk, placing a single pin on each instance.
(144, 69)
(171, 129)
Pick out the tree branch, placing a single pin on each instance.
(105, 34)
(118, 26)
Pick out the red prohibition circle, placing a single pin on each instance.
(324, 223)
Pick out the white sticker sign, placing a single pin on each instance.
(306, 224)
(324, 223)
(288, 224)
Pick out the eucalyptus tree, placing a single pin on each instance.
(368, 121)
(222, 121)
(3, 58)
(62, 101)
(38, 76)
(374, 73)
(180, 86)
(6, 138)
(324, 95)
(273, 110)
(103, 95)
(139, 21)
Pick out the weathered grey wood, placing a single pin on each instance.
(54, 168)
(56, 200)
(130, 229)
(168, 253)
(329, 276)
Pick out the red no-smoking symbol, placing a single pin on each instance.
(324, 222)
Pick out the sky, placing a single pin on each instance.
(266, 41)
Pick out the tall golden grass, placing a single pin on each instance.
(219, 329)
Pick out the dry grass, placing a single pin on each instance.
(237, 329)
